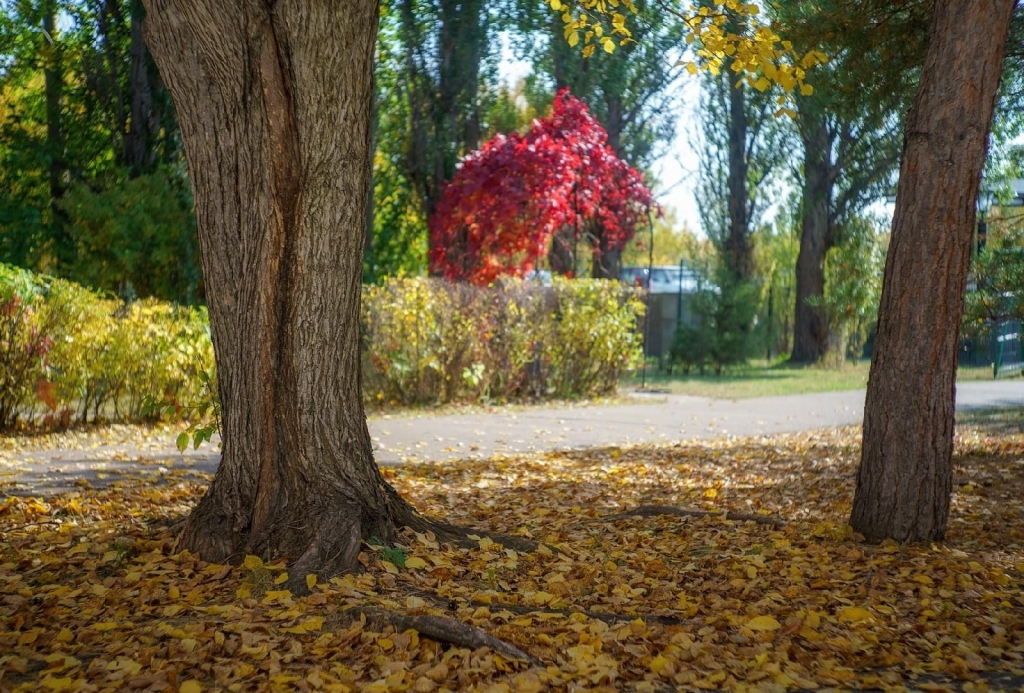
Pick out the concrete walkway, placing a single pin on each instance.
(398, 440)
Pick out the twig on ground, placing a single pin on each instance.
(30, 524)
(443, 629)
(442, 602)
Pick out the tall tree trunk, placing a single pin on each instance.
(614, 122)
(140, 152)
(455, 104)
(906, 475)
(810, 324)
(53, 78)
(274, 105)
(108, 82)
(739, 253)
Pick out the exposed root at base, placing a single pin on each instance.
(610, 618)
(655, 510)
(442, 629)
(443, 531)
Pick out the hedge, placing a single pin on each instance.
(430, 341)
(69, 355)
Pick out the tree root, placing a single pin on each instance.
(443, 531)
(596, 615)
(442, 629)
(443, 602)
(655, 510)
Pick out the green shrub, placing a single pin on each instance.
(724, 331)
(75, 356)
(71, 355)
(38, 315)
(429, 341)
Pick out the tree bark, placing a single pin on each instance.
(905, 476)
(274, 106)
(810, 324)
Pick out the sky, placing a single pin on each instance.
(676, 170)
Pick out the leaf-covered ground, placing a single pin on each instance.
(93, 597)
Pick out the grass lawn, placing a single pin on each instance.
(761, 379)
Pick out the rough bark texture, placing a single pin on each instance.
(274, 105)
(905, 476)
(810, 325)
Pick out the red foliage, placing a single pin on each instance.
(499, 213)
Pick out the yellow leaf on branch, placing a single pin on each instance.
(718, 31)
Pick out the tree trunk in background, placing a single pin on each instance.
(108, 82)
(810, 324)
(739, 254)
(53, 77)
(906, 475)
(274, 107)
(140, 149)
(606, 262)
(462, 46)
(443, 91)
(561, 257)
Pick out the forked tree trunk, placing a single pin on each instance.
(810, 324)
(905, 476)
(274, 104)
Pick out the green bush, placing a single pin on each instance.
(74, 356)
(429, 341)
(724, 331)
(38, 315)
(70, 355)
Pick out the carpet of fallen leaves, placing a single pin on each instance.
(93, 596)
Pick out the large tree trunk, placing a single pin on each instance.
(739, 254)
(810, 324)
(274, 105)
(905, 476)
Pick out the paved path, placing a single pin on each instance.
(651, 418)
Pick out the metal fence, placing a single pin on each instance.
(994, 349)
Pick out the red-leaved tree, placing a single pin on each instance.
(510, 198)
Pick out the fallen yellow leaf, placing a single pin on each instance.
(853, 614)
